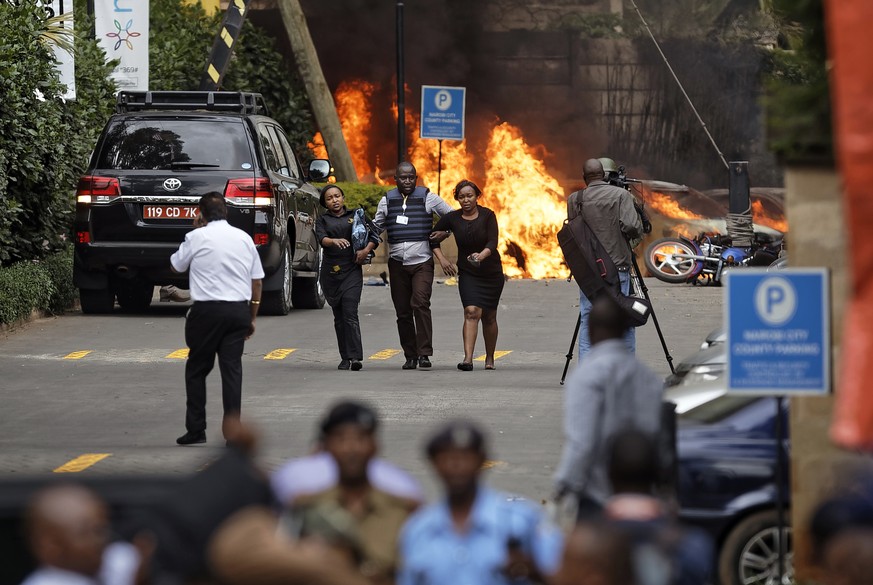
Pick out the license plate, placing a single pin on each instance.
(170, 212)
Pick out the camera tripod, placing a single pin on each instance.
(638, 285)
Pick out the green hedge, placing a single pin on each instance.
(363, 194)
(45, 285)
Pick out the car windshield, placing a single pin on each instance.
(717, 409)
(176, 144)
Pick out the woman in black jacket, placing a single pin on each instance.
(342, 277)
(480, 273)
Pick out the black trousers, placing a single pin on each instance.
(411, 287)
(214, 328)
(344, 299)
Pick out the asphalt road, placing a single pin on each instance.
(107, 392)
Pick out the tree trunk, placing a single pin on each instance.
(316, 87)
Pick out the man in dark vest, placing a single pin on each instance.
(407, 214)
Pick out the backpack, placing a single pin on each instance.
(594, 270)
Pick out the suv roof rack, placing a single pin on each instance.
(241, 102)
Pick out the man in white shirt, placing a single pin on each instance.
(225, 277)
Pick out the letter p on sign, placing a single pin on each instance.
(443, 100)
(775, 300)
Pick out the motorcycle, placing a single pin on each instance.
(703, 259)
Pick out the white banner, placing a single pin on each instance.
(122, 29)
(65, 64)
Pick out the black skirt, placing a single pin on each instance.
(480, 290)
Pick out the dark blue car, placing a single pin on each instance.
(727, 485)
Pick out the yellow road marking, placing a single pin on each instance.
(280, 354)
(497, 354)
(179, 354)
(384, 354)
(489, 464)
(77, 355)
(81, 462)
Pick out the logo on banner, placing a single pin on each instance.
(123, 35)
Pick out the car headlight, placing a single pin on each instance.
(704, 373)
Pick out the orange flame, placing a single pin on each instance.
(353, 107)
(529, 204)
(761, 216)
(316, 145)
(667, 206)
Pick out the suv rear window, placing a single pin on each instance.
(176, 144)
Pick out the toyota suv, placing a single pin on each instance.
(159, 153)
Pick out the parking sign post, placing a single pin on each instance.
(778, 336)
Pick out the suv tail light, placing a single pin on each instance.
(94, 189)
(257, 192)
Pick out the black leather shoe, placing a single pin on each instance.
(344, 365)
(356, 365)
(465, 366)
(190, 438)
(423, 362)
(411, 364)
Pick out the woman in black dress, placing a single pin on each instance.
(342, 278)
(480, 274)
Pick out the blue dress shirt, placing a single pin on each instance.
(433, 552)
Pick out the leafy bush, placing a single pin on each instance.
(44, 141)
(30, 285)
(798, 99)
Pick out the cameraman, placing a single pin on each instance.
(610, 213)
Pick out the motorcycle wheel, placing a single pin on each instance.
(663, 266)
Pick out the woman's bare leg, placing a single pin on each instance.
(489, 332)
(472, 315)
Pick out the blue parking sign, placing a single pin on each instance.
(778, 331)
(442, 112)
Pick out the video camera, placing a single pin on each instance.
(620, 179)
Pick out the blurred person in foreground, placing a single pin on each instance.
(68, 533)
(841, 530)
(480, 273)
(665, 553)
(222, 526)
(361, 518)
(596, 553)
(341, 277)
(609, 391)
(475, 535)
(318, 471)
(609, 212)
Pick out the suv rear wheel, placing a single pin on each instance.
(278, 302)
(306, 292)
(96, 301)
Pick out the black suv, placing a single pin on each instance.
(157, 156)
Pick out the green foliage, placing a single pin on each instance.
(798, 100)
(363, 194)
(44, 141)
(180, 37)
(180, 40)
(44, 286)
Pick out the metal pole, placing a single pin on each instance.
(440, 169)
(401, 89)
(640, 285)
(569, 355)
(780, 493)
